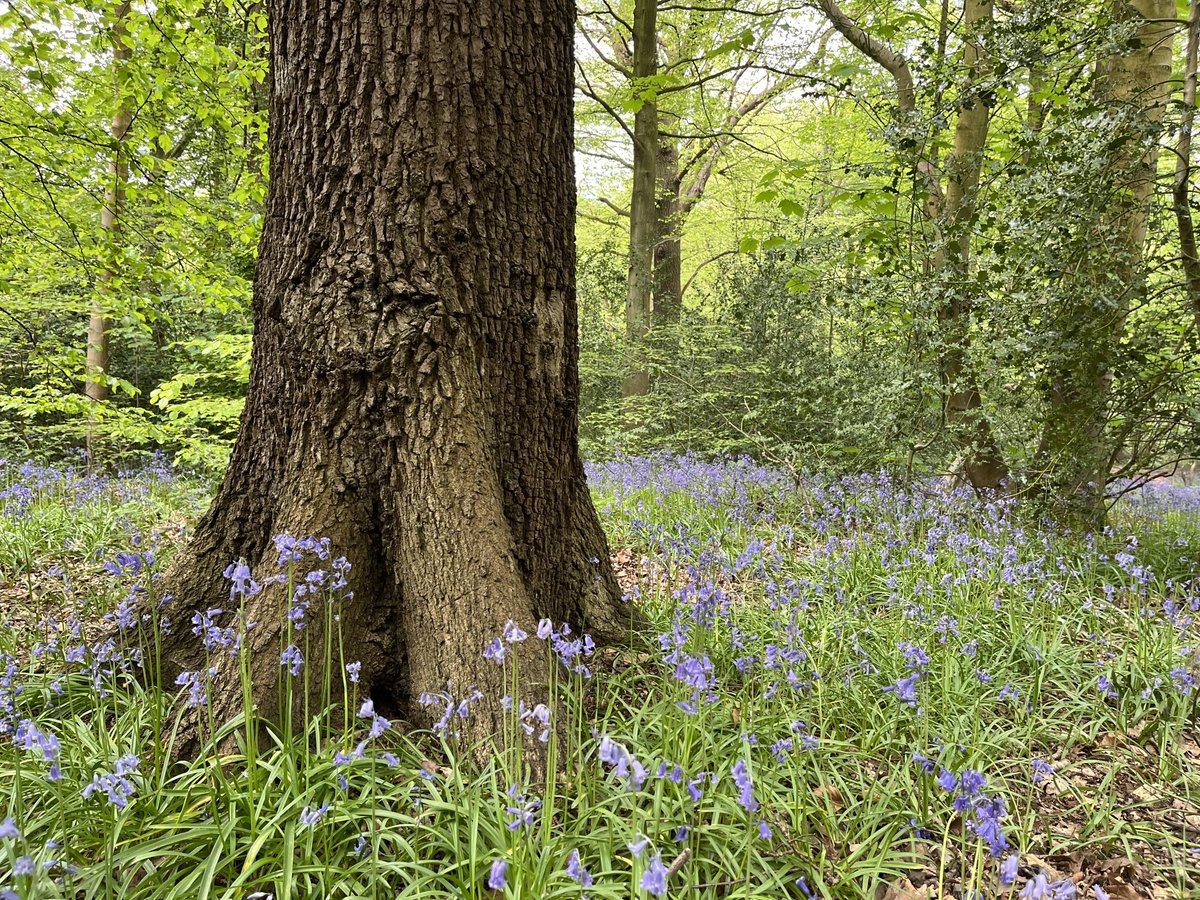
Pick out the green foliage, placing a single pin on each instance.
(179, 276)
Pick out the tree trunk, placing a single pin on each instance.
(982, 463)
(95, 386)
(949, 213)
(1074, 455)
(668, 244)
(414, 387)
(1182, 193)
(639, 301)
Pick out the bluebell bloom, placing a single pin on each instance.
(576, 872)
(654, 879)
(745, 785)
(292, 659)
(310, 816)
(496, 878)
(1037, 888)
(1008, 870)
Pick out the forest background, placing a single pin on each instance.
(929, 237)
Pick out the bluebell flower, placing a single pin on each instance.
(193, 681)
(638, 846)
(494, 651)
(625, 765)
(293, 659)
(354, 669)
(513, 633)
(1008, 870)
(654, 879)
(117, 785)
(745, 785)
(496, 878)
(576, 872)
(24, 866)
(1037, 888)
(9, 830)
(523, 810)
(310, 816)
(925, 762)
(905, 689)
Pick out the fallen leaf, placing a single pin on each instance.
(1122, 891)
(831, 793)
(901, 889)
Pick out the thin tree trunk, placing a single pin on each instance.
(668, 244)
(1074, 454)
(639, 302)
(1183, 169)
(414, 384)
(949, 213)
(99, 320)
(982, 463)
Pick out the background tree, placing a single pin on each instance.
(693, 77)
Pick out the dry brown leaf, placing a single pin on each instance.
(901, 889)
(1122, 891)
(831, 793)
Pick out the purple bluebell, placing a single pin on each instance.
(654, 879)
(496, 877)
(576, 872)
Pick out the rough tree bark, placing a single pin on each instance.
(643, 214)
(414, 387)
(95, 386)
(948, 211)
(1074, 457)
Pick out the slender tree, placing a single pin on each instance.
(1075, 455)
(414, 382)
(100, 318)
(950, 196)
(639, 303)
(1181, 193)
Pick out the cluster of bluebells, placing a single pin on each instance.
(118, 785)
(27, 483)
(571, 651)
(625, 766)
(31, 739)
(454, 711)
(916, 661)
(982, 811)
